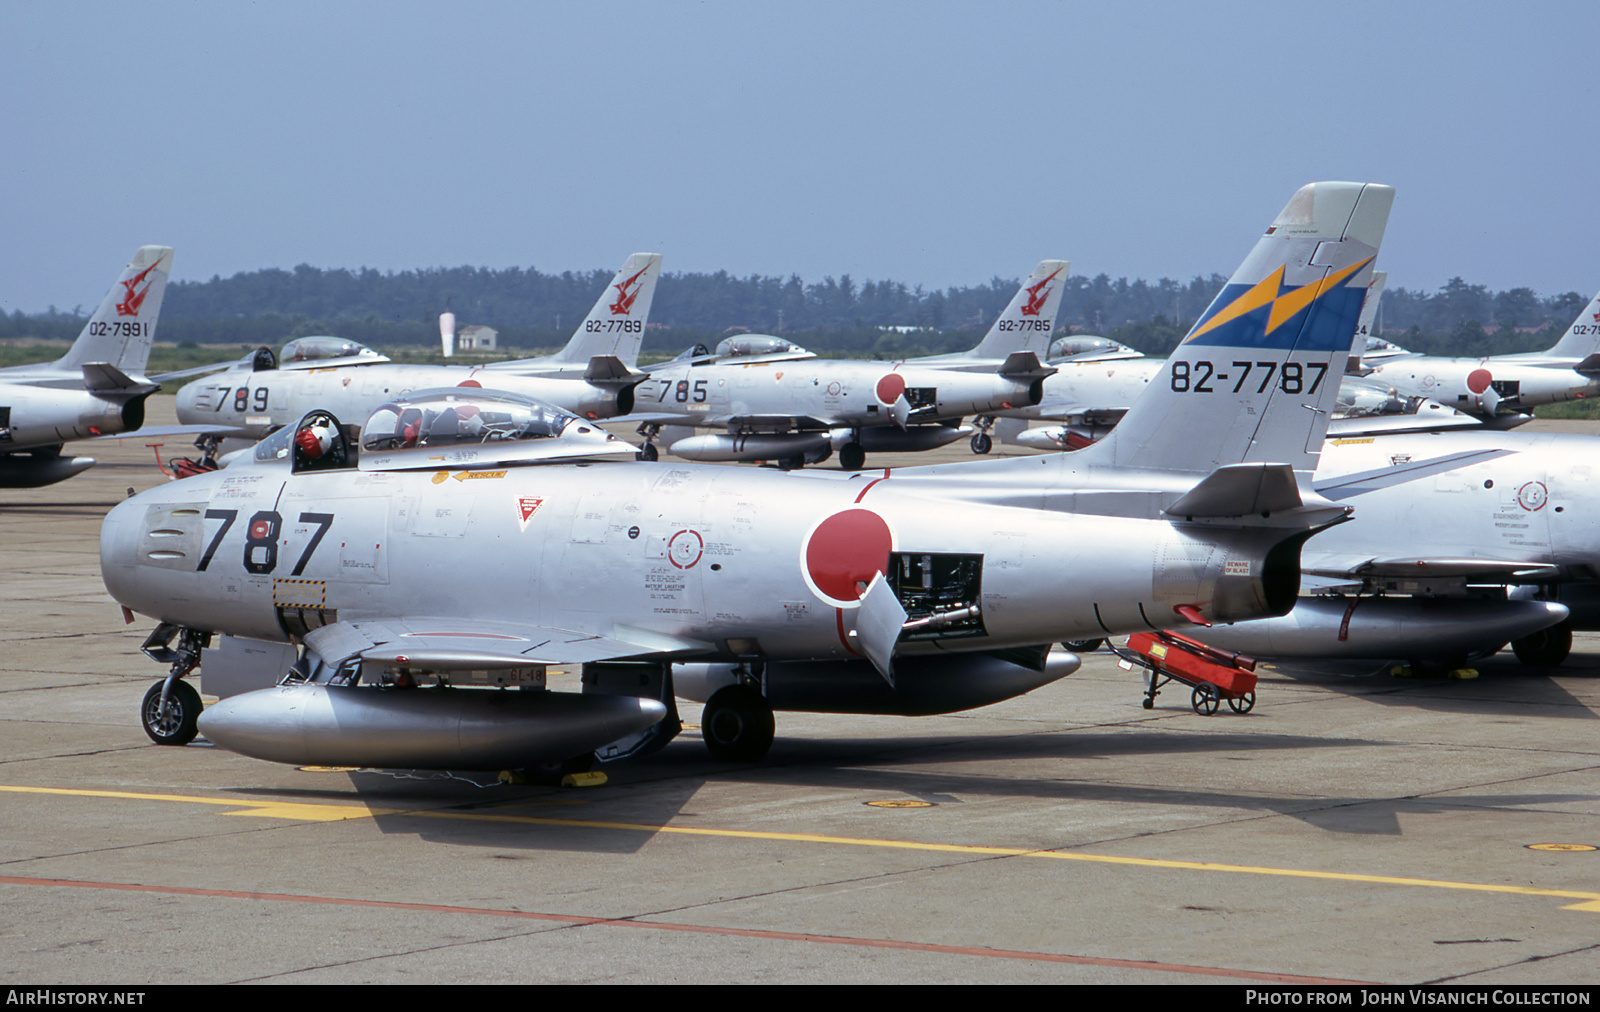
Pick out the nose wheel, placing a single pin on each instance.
(172, 722)
(648, 451)
(737, 725)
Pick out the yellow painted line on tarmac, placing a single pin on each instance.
(1588, 902)
(302, 811)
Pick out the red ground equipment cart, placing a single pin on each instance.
(1215, 674)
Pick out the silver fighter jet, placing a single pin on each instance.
(775, 401)
(395, 585)
(1497, 542)
(592, 376)
(1499, 385)
(97, 388)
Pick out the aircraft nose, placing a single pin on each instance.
(119, 545)
(185, 403)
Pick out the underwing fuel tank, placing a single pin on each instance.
(429, 728)
(917, 438)
(1386, 628)
(922, 685)
(724, 447)
(21, 470)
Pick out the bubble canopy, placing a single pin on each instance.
(757, 344)
(1088, 348)
(466, 426)
(324, 348)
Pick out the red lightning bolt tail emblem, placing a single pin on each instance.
(131, 299)
(625, 298)
(1037, 294)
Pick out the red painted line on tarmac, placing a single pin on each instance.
(700, 929)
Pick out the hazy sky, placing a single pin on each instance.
(928, 142)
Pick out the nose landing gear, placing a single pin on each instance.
(172, 707)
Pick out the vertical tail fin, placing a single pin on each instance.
(1369, 308)
(1582, 339)
(1364, 330)
(121, 330)
(1028, 321)
(1256, 378)
(615, 326)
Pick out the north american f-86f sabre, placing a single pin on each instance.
(97, 388)
(778, 402)
(470, 540)
(593, 375)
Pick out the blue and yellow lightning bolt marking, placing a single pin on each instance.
(1329, 329)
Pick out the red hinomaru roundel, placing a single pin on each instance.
(844, 552)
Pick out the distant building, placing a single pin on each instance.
(475, 337)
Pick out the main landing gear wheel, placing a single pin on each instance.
(1545, 648)
(981, 443)
(1243, 704)
(1205, 699)
(852, 456)
(173, 724)
(737, 725)
(1084, 646)
(648, 452)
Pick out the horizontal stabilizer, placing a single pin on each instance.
(101, 378)
(1024, 367)
(1346, 486)
(1239, 490)
(1589, 366)
(608, 370)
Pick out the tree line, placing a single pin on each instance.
(534, 309)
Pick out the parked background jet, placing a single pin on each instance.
(1090, 392)
(915, 591)
(97, 388)
(795, 408)
(1502, 384)
(1495, 543)
(591, 376)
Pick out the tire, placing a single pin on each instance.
(1205, 699)
(648, 452)
(852, 456)
(1242, 704)
(981, 443)
(1083, 646)
(173, 724)
(1545, 648)
(737, 725)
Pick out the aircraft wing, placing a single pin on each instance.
(1342, 567)
(1423, 420)
(460, 644)
(199, 370)
(1346, 486)
(225, 431)
(738, 423)
(1076, 414)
